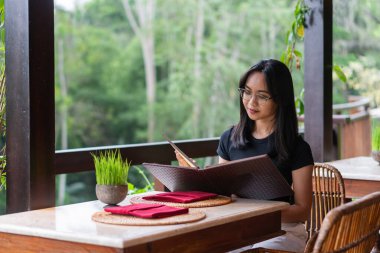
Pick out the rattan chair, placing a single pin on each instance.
(328, 193)
(352, 227)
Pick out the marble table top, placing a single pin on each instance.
(73, 223)
(361, 168)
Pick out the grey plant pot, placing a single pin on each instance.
(111, 194)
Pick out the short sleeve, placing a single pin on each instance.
(224, 145)
(302, 155)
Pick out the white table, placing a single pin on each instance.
(361, 175)
(70, 229)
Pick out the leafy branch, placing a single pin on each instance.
(293, 36)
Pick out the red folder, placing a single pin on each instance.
(181, 197)
(147, 211)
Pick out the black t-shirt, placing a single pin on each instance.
(300, 155)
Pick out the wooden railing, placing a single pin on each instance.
(352, 122)
(352, 128)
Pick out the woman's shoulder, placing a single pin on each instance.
(224, 144)
(226, 135)
(300, 141)
(302, 154)
(301, 146)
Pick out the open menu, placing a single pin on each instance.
(255, 177)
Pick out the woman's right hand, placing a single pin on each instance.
(181, 161)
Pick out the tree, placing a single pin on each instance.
(144, 30)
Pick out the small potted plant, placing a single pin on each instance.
(376, 144)
(111, 177)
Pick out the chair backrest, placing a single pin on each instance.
(328, 193)
(352, 227)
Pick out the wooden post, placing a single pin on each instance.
(318, 79)
(30, 104)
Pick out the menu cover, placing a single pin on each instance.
(255, 177)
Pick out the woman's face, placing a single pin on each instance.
(257, 99)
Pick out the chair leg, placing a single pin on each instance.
(376, 248)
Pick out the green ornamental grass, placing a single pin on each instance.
(376, 139)
(110, 168)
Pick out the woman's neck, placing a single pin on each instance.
(262, 129)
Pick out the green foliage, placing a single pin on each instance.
(339, 72)
(110, 168)
(132, 189)
(2, 99)
(340, 91)
(2, 202)
(356, 47)
(149, 186)
(363, 78)
(299, 103)
(79, 188)
(376, 138)
(294, 35)
(2, 172)
(2, 34)
(105, 72)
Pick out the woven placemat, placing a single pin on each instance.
(217, 201)
(106, 217)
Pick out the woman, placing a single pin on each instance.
(268, 125)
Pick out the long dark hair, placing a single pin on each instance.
(280, 87)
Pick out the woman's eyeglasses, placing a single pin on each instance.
(246, 95)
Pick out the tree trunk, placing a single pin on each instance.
(199, 30)
(144, 30)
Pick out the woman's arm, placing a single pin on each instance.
(302, 187)
(221, 160)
